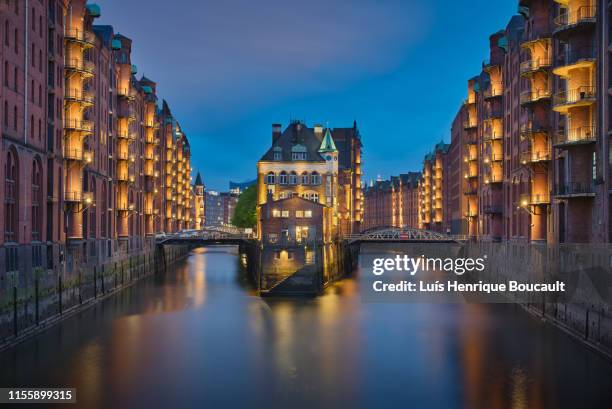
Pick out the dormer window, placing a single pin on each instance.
(298, 152)
(278, 153)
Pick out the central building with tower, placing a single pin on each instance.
(306, 167)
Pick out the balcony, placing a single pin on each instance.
(493, 179)
(583, 16)
(535, 199)
(470, 157)
(73, 196)
(576, 136)
(532, 128)
(493, 209)
(85, 68)
(125, 177)
(494, 157)
(123, 156)
(538, 64)
(470, 124)
(470, 191)
(488, 134)
(470, 214)
(78, 155)
(86, 38)
(85, 98)
(575, 189)
(470, 101)
(575, 58)
(581, 96)
(471, 174)
(128, 93)
(79, 125)
(125, 207)
(495, 90)
(533, 96)
(534, 157)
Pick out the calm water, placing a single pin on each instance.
(198, 337)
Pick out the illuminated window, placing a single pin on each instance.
(285, 213)
(276, 213)
(299, 213)
(308, 213)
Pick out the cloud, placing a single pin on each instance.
(225, 58)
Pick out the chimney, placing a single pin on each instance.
(318, 130)
(276, 132)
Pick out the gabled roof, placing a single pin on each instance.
(295, 134)
(343, 140)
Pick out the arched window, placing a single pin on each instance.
(315, 178)
(36, 199)
(305, 178)
(11, 196)
(270, 178)
(283, 178)
(293, 178)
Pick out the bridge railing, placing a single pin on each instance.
(397, 234)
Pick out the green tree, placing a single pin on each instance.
(245, 214)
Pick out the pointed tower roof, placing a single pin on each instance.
(198, 181)
(327, 144)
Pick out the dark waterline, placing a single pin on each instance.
(199, 337)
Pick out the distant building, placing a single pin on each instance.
(238, 188)
(392, 203)
(219, 208)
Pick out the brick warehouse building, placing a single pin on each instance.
(86, 176)
(533, 132)
(392, 203)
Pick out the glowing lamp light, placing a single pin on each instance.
(524, 203)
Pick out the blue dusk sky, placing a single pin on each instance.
(231, 68)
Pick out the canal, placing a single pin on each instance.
(199, 337)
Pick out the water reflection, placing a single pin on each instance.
(197, 336)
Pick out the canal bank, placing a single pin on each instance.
(199, 335)
(41, 299)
